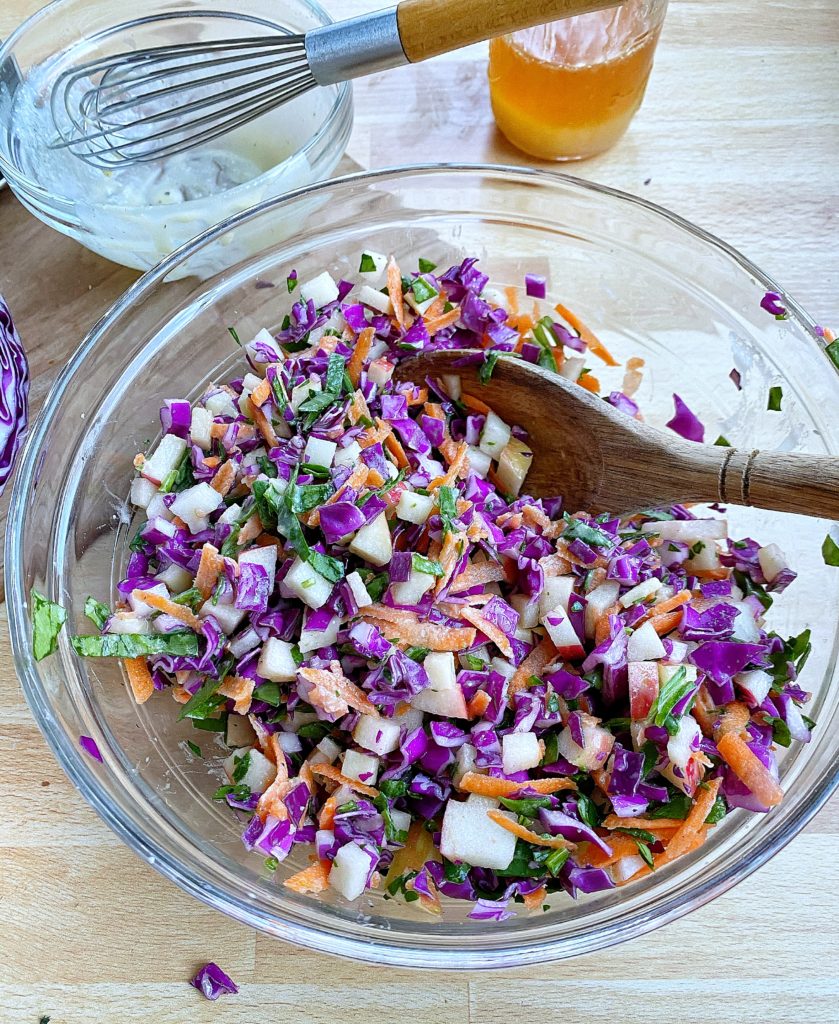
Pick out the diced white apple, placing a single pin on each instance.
(319, 451)
(348, 456)
(158, 509)
(276, 662)
(380, 371)
(666, 673)
(260, 772)
(362, 767)
(231, 514)
(314, 639)
(176, 578)
(166, 458)
(408, 718)
(520, 751)
(572, 367)
(465, 760)
(200, 427)
(754, 685)
(359, 591)
(453, 385)
(745, 627)
(707, 557)
(642, 592)
(688, 531)
(303, 582)
(375, 299)
(401, 819)
(220, 404)
(378, 735)
(142, 491)
(239, 732)
(625, 867)
(290, 742)
(301, 392)
(598, 601)
(597, 744)
(643, 688)
(250, 382)
(645, 644)
(556, 594)
(267, 338)
(226, 615)
(678, 650)
(128, 622)
(563, 635)
(140, 608)
(412, 590)
(471, 836)
(414, 508)
(325, 752)
(373, 542)
(772, 561)
(350, 868)
(528, 610)
(379, 266)
(680, 745)
(525, 635)
(513, 466)
(266, 557)
(321, 290)
(443, 696)
(495, 436)
(194, 504)
(503, 668)
(479, 462)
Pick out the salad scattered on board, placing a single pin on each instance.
(430, 682)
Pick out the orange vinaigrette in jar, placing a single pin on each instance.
(568, 90)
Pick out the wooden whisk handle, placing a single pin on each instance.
(431, 27)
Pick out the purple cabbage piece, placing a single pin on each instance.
(212, 982)
(176, 417)
(491, 910)
(254, 587)
(340, 519)
(272, 838)
(446, 734)
(715, 623)
(501, 614)
(88, 745)
(535, 285)
(369, 641)
(773, 303)
(611, 654)
(721, 660)
(360, 825)
(559, 824)
(14, 394)
(685, 423)
(586, 880)
(623, 403)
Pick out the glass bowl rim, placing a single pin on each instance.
(341, 107)
(71, 758)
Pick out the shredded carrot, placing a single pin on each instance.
(358, 408)
(601, 625)
(224, 478)
(555, 565)
(591, 855)
(264, 426)
(374, 435)
(559, 358)
(478, 704)
(333, 774)
(240, 690)
(459, 464)
(829, 336)
(671, 604)
(735, 717)
(664, 624)
(534, 900)
(275, 753)
(487, 785)
(163, 604)
(704, 711)
(139, 678)
(711, 574)
(489, 629)
(395, 448)
(650, 824)
(512, 294)
(475, 404)
(595, 346)
(417, 851)
(449, 558)
(250, 531)
(211, 461)
(440, 323)
(209, 567)
(634, 363)
(261, 393)
(360, 353)
(533, 665)
(333, 692)
(181, 695)
(749, 769)
(326, 818)
(511, 825)
(412, 632)
(419, 397)
(312, 879)
(589, 383)
(478, 575)
(394, 290)
(694, 823)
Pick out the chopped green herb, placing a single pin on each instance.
(551, 748)
(392, 833)
(717, 812)
(447, 501)
(267, 467)
(780, 730)
(204, 702)
(218, 724)
(488, 366)
(47, 620)
(335, 373)
(776, 395)
(231, 545)
(305, 497)
(271, 863)
(527, 806)
(97, 612)
(423, 290)
(670, 694)
(368, 264)
(292, 282)
(722, 442)
(296, 656)
(555, 861)
(419, 563)
(832, 352)
(192, 598)
(180, 478)
(135, 645)
(587, 811)
(137, 541)
(678, 806)
(330, 568)
(194, 748)
(749, 587)
(576, 529)
(315, 731)
(269, 693)
(240, 767)
(240, 792)
(394, 788)
(830, 551)
(377, 585)
(426, 266)
(417, 654)
(639, 833)
(645, 853)
(235, 335)
(473, 663)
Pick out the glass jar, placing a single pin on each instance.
(568, 90)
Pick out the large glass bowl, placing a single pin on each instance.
(650, 283)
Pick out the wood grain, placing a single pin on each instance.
(740, 133)
(431, 27)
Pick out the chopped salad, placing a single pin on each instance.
(432, 683)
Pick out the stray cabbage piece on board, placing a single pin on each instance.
(431, 682)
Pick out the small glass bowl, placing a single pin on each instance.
(650, 283)
(292, 146)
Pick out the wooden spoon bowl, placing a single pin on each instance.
(602, 460)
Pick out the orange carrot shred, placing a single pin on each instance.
(224, 478)
(333, 774)
(521, 832)
(209, 567)
(394, 290)
(595, 346)
(163, 604)
(312, 879)
(735, 717)
(475, 404)
(664, 624)
(238, 689)
(479, 574)
(139, 678)
(533, 665)
(360, 353)
(440, 323)
(489, 629)
(264, 426)
(534, 900)
(488, 785)
(478, 704)
(261, 393)
(395, 448)
(412, 632)
(250, 531)
(589, 383)
(749, 769)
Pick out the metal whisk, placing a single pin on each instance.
(147, 104)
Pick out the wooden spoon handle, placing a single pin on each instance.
(806, 484)
(431, 27)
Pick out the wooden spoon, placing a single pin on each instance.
(601, 460)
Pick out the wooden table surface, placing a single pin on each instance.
(740, 133)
